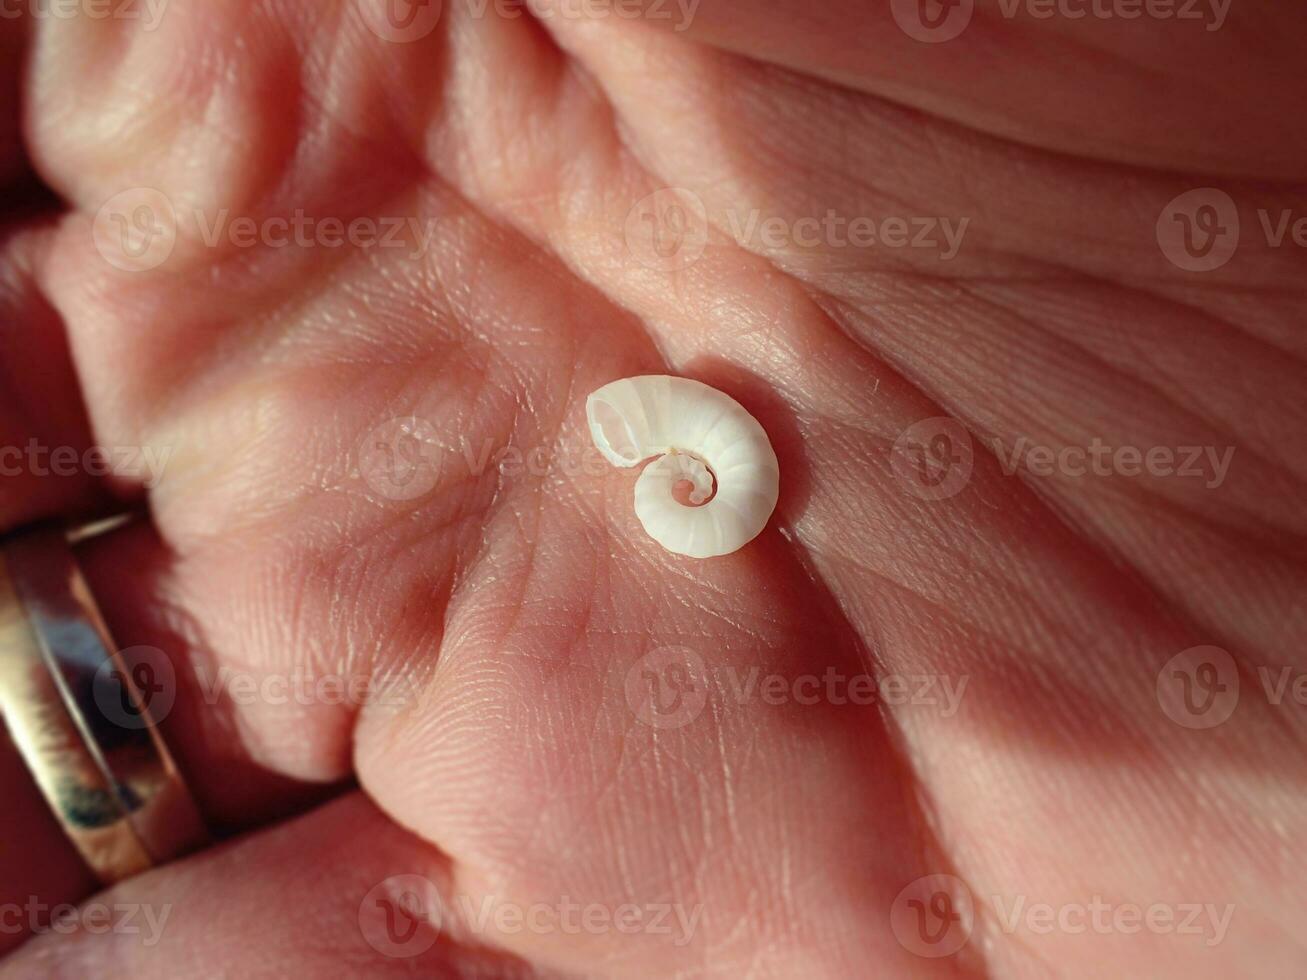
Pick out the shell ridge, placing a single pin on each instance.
(663, 414)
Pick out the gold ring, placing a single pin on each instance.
(106, 774)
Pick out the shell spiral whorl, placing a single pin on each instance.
(698, 434)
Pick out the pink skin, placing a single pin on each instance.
(510, 607)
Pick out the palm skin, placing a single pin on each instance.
(507, 608)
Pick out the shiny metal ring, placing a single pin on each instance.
(113, 786)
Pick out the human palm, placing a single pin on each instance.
(379, 474)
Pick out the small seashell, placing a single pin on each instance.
(701, 435)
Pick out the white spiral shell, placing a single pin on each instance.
(698, 434)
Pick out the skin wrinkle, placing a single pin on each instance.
(1027, 657)
(1080, 521)
(842, 304)
(968, 108)
(993, 142)
(1285, 553)
(1016, 591)
(1043, 492)
(1211, 422)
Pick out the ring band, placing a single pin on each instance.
(106, 774)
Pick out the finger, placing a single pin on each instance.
(47, 463)
(233, 791)
(36, 859)
(133, 577)
(47, 466)
(1026, 592)
(1034, 281)
(1212, 61)
(40, 413)
(306, 898)
(290, 555)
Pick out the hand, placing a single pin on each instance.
(351, 292)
